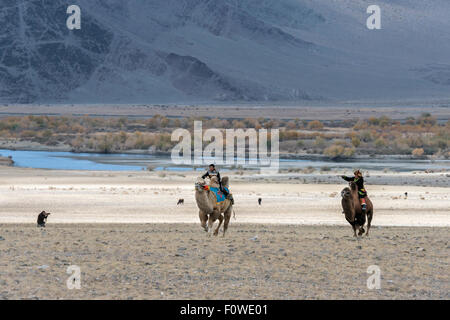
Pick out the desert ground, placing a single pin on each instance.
(178, 261)
(131, 241)
(151, 197)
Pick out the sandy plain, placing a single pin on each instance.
(131, 241)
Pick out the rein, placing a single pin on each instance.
(204, 187)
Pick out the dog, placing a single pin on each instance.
(42, 219)
(180, 201)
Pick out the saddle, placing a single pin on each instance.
(220, 196)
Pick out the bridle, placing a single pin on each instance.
(201, 186)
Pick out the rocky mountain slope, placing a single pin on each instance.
(200, 51)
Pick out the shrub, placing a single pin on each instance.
(366, 136)
(356, 142)
(418, 152)
(28, 134)
(384, 121)
(308, 169)
(339, 151)
(315, 125)
(161, 174)
(319, 142)
(380, 143)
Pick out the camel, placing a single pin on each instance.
(352, 209)
(209, 209)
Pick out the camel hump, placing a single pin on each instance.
(214, 182)
(226, 181)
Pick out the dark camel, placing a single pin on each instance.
(353, 212)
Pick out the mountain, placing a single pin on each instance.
(203, 51)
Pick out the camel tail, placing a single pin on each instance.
(234, 214)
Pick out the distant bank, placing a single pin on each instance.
(6, 161)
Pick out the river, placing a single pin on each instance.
(137, 162)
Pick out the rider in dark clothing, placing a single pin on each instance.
(362, 193)
(213, 172)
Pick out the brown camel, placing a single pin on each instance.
(209, 209)
(353, 212)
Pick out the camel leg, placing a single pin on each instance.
(369, 221)
(227, 215)
(212, 218)
(354, 230)
(216, 232)
(203, 219)
(361, 230)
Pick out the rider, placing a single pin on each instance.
(362, 193)
(213, 172)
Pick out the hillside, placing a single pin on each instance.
(201, 51)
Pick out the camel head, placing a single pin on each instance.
(200, 184)
(346, 193)
(353, 186)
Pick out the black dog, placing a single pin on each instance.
(42, 219)
(180, 201)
